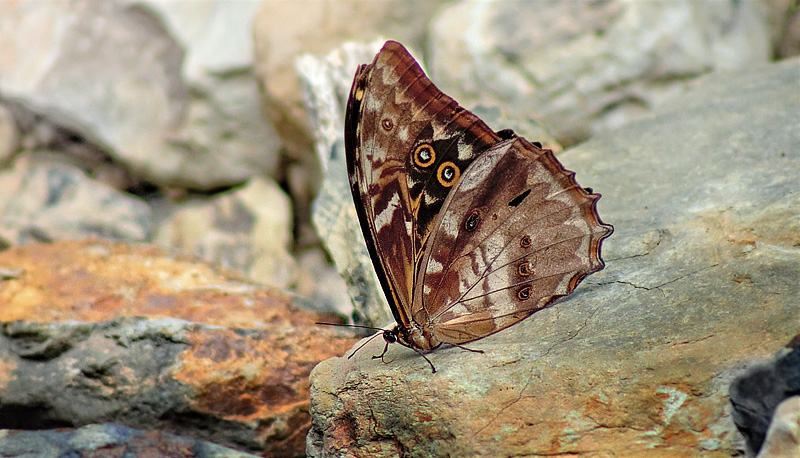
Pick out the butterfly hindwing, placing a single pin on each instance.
(516, 234)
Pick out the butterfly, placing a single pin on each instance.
(469, 230)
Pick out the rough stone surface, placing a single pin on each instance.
(701, 280)
(96, 332)
(582, 70)
(108, 440)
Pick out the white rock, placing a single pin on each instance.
(283, 30)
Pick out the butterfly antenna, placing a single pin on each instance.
(360, 326)
(386, 347)
(351, 326)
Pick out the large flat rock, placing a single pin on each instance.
(701, 279)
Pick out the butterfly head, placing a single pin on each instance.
(411, 338)
(391, 335)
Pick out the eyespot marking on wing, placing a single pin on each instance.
(448, 174)
(472, 221)
(424, 156)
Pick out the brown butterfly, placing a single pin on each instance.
(470, 230)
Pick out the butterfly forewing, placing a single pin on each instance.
(406, 144)
(516, 234)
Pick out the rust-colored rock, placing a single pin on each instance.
(211, 355)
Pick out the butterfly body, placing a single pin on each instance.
(470, 230)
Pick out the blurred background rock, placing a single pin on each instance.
(183, 123)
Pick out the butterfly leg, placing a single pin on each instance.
(468, 349)
(419, 352)
(433, 369)
(385, 349)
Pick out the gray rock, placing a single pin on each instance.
(46, 199)
(69, 374)
(756, 394)
(701, 278)
(584, 68)
(108, 440)
(248, 229)
(147, 82)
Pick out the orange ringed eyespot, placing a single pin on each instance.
(448, 174)
(525, 241)
(387, 124)
(424, 155)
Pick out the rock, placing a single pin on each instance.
(9, 135)
(145, 81)
(95, 332)
(783, 437)
(584, 70)
(756, 394)
(700, 280)
(46, 199)
(109, 440)
(321, 283)
(326, 83)
(38, 133)
(247, 229)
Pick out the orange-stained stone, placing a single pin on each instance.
(246, 362)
